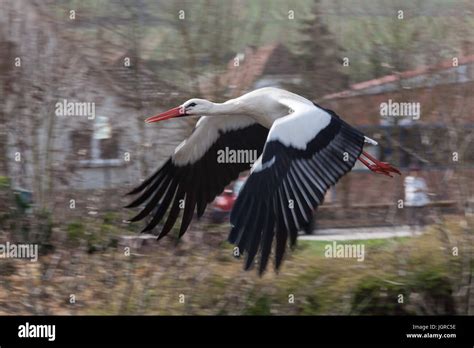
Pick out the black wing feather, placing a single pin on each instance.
(197, 184)
(262, 211)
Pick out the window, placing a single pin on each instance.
(98, 147)
(429, 145)
(81, 144)
(435, 144)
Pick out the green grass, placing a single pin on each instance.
(317, 247)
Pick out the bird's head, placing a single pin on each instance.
(191, 107)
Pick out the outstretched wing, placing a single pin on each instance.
(306, 152)
(194, 175)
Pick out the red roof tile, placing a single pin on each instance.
(447, 64)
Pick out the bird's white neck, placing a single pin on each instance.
(230, 107)
(264, 105)
(263, 110)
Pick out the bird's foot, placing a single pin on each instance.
(377, 166)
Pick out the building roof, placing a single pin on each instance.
(376, 85)
(272, 59)
(139, 81)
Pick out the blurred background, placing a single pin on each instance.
(62, 179)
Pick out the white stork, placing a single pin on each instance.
(303, 149)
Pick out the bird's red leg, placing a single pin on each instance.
(377, 166)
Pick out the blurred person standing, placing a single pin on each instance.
(416, 197)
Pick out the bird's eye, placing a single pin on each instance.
(192, 104)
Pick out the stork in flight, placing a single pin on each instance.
(303, 149)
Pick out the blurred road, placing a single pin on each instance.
(360, 233)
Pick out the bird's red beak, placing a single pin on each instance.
(175, 112)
